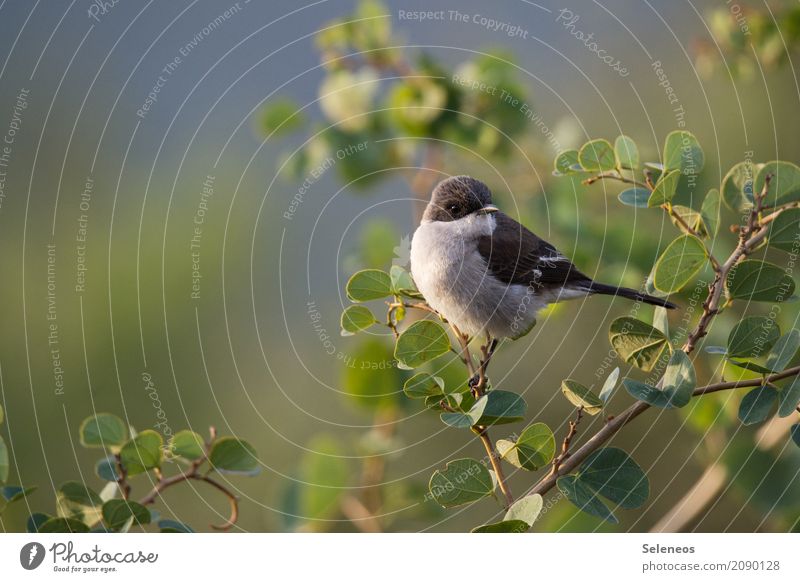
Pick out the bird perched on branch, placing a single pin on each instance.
(485, 272)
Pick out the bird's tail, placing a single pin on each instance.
(602, 289)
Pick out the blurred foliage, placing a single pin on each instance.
(743, 33)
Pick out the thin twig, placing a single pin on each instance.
(573, 430)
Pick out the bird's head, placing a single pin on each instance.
(457, 197)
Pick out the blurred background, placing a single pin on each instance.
(186, 187)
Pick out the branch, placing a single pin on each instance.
(573, 430)
(611, 176)
(614, 425)
(193, 473)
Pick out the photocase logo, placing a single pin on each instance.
(31, 555)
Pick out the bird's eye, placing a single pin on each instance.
(453, 208)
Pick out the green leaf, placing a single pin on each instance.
(117, 512)
(784, 232)
(187, 444)
(142, 453)
(647, 393)
(63, 525)
(103, 430)
(752, 336)
(614, 475)
(505, 526)
(422, 342)
(794, 431)
(597, 156)
(106, 469)
(457, 419)
(525, 509)
(423, 385)
(680, 261)
(584, 498)
(679, 379)
(679, 384)
(752, 366)
(74, 499)
(665, 189)
(737, 187)
(498, 407)
(710, 212)
(789, 398)
(35, 521)
(356, 318)
(783, 352)
(565, 161)
(369, 284)
(282, 116)
(609, 385)
(682, 152)
(757, 404)
(534, 448)
(759, 281)
(12, 493)
(636, 197)
(579, 395)
(233, 455)
(402, 283)
(636, 342)
(462, 481)
(626, 152)
(172, 526)
(784, 186)
(4, 463)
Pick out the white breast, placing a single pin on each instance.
(454, 278)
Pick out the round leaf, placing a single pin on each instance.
(107, 469)
(784, 232)
(534, 448)
(498, 407)
(682, 152)
(710, 212)
(665, 188)
(783, 351)
(423, 385)
(565, 162)
(422, 342)
(737, 187)
(614, 475)
(369, 284)
(636, 342)
(462, 481)
(117, 512)
(525, 509)
(580, 395)
(626, 152)
(597, 156)
(356, 318)
(789, 398)
(142, 453)
(757, 404)
(103, 430)
(680, 261)
(234, 456)
(13, 493)
(679, 379)
(759, 281)
(784, 185)
(636, 197)
(35, 521)
(752, 337)
(187, 444)
(584, 498)
(609, 385)
(4, 464)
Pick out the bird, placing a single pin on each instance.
(485, 273)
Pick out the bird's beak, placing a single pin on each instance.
(489, 209)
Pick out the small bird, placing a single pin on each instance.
(486, 273)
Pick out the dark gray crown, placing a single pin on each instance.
(457, 197)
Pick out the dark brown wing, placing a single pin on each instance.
(517, 256)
